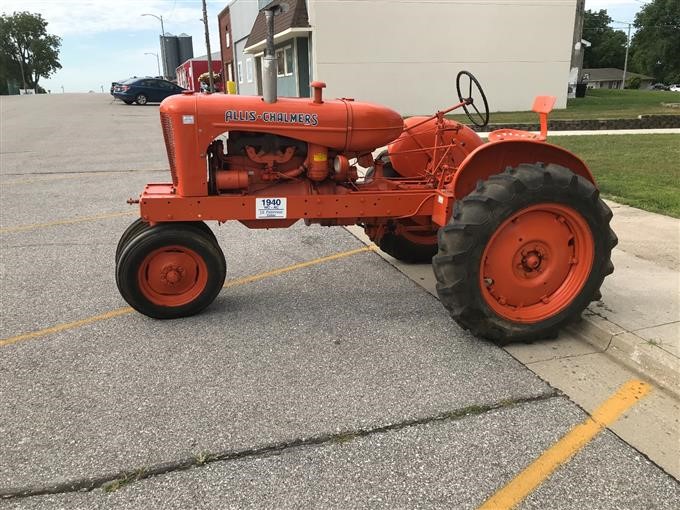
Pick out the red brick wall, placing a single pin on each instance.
(224, 23)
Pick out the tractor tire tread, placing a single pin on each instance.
(476, 217)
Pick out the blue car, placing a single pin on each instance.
(145, 90)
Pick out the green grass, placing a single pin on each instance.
(638, 170)
(599, 104)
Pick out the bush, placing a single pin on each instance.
(633, 83)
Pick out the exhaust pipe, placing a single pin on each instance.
(269, 74)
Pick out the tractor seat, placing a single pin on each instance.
(511, 134)
(543, 105)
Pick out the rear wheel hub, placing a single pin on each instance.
(536, 263)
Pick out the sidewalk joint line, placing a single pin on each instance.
(114, 480)
(655, 326)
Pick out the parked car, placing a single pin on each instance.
(145, 90)
(659, 86)
(675, 87)
(114, 84)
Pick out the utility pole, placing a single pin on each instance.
(625, 64)
(207, 46)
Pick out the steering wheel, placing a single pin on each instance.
(477, 117)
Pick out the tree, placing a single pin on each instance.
(608, 46)
(656, 44)
(28, 51)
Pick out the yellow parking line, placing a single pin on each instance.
(232, 283)
(570, 444)
(24, 228)
(276, 272)
(63, 327)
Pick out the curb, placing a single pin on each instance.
(630, 350)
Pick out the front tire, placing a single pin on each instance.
(139, 225)
(524, 253)
(170, 271)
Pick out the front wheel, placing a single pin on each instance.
(524, 253)
(170, 270)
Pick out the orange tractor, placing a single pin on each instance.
(517, 234)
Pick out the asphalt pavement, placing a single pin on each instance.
(330, 379)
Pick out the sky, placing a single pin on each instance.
(105, 40)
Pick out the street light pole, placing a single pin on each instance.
(207, 46)
(165, 64)
(158, 62)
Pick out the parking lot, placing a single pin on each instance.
(321, 376)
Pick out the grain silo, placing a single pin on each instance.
(186, 48)
(170, 49)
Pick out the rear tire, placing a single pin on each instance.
(170, 271)
(412, 249)
(141, 99)
(529, 226)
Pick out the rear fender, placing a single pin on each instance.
(492, 158)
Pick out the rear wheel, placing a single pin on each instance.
(409, 243)
(524, 253)
(170, 270)
(141, 99)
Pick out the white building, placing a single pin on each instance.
(406, 54)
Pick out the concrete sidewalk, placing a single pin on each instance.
(637, 322)
(665, 131)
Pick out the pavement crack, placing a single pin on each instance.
(113, 481)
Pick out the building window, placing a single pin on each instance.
(240, 72)
(227, 37)
(285, 63)
(249, 70)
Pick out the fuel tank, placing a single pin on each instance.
(413, 151)
(342, 125)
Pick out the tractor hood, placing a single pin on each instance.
(342, 125)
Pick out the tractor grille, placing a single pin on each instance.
(166, 123)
